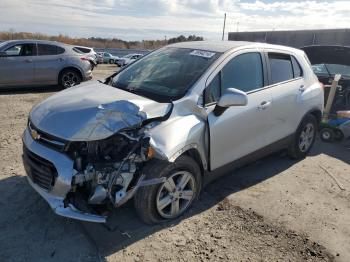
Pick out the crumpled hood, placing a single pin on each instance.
(93, 111)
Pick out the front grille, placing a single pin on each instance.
(42, 172)
(46, 139)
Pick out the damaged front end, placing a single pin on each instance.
(94, 176)
(109, 172)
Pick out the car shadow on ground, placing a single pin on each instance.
(31, 90)
(124, 228)
(24, 208)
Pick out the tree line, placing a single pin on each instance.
(98, 42)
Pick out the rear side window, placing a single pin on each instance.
(281, 68)
(44, 49)
(298, 72)
(60, 50)
(243, 72)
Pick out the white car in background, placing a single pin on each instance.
(107, 58)
(128, 59)
(88, 51)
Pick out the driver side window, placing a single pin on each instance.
(243, 72)
(21, 50)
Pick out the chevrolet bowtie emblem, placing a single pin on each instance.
(34, 134)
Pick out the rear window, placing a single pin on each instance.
(82, 49)
(281, 68)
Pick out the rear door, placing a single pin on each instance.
(17, 67)
(49, 62)
(286, 84)
(240, 130)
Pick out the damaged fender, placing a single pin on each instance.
(182, 133)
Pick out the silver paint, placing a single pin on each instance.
(94, 111)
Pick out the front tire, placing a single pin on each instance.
(169, 200)
(111, 61)
(304, 138)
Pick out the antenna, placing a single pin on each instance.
(223, 30)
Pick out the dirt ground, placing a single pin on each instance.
(275, 209)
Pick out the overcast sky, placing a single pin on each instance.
(154, 19)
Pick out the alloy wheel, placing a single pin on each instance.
(176, 194)
(70, 79)
(306, 137)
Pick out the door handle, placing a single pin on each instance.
(60, 59)
(302, 88)
(28, 60)
(264, 105)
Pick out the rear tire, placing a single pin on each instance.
(68, 78)
(304, 138)
(111, 61)
(149, 200)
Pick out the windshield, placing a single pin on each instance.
(320, 69)
(338, 69)
(326, 69)
(2, 44)
(165, 75)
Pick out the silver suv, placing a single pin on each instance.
(34, 63)
(161, 127)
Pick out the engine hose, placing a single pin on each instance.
(114, 176)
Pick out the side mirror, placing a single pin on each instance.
(3, 54)
(232, 97)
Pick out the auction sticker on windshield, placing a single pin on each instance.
(201, 53)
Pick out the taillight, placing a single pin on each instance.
(85, 58)
(322, 85)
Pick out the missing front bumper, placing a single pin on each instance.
(70, 211)
(55, 196)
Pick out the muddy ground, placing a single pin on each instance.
(275, 209)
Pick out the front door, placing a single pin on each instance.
(243, 129)
(17, 66)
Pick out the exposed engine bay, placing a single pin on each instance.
(107, 173)
(106, 170)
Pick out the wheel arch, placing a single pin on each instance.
(76, 69)
(196, 156)
(317, 113)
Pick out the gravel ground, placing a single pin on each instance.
(273, 210)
